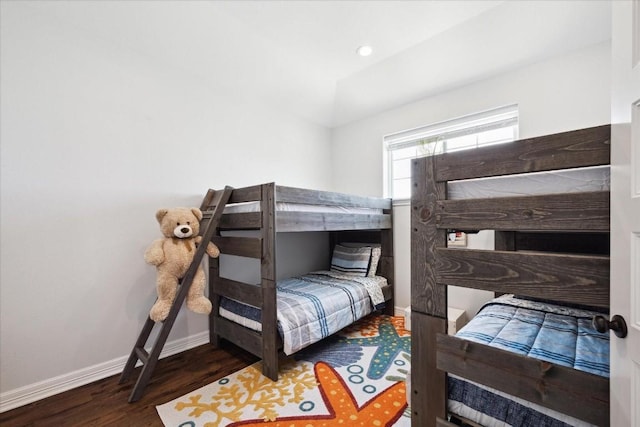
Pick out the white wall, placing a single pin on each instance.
(564, 93)
(95, 138)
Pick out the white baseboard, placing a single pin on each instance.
(31, 393)
(398, 311)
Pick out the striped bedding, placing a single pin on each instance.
(549, 332)
(313, 306)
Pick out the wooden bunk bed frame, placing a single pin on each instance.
(344, 227)
(554, 234)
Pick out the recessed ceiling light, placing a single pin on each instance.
(364, 50)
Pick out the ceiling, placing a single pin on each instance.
(299, 56)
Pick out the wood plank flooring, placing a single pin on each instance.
(104, 402)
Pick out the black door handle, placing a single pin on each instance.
(616, 324)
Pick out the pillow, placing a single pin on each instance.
(351, 261)
(376, 252)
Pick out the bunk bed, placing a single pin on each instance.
(552, 245)
(268, 209)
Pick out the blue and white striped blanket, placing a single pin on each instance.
(553, 333)
(549, 332)
(312, 307)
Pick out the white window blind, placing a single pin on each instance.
(495, 126)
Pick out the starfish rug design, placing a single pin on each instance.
(353, 378)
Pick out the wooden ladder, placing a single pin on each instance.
(217, 199)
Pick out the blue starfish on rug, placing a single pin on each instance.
(388, 346)
(356, 376)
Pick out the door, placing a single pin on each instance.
(625, 211)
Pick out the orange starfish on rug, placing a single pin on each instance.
(383, 410)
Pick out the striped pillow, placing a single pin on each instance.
(352, 261)
(376, 253)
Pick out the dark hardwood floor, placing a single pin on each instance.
(104, 402)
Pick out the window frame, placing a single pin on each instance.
(472, 124)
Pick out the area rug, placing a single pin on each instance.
(356, 377)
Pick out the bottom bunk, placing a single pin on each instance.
(302, 310)
(312, 306)
(560, 335)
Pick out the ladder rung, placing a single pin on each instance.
(142, 354)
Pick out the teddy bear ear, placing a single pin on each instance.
(161, 213)
(197, 212)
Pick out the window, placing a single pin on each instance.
(487, 128)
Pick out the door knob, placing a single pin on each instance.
(616, 324)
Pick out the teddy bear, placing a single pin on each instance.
(172, 256)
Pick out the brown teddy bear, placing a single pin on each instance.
(172, 256)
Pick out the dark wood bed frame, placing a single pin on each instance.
(548, 246)
(343, 227)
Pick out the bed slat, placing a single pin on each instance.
(552, 212)
(327, 198)
(242, 246)
(246, 194)
(566, 150)
(243, 337)
(443, 423)
(579, 394)
(243, 220)
(239, 291)
(316, 221)
(580, 279)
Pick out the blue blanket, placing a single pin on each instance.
(549, 332)
(310, 307)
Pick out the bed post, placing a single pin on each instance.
(387, 265)
(268, 283)
(214, 275)
(428, 298)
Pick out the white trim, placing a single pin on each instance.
(433, 137)
(401, 202)
(398, 311)
(463, 125)
(31, 393)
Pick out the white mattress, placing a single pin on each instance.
(552, 182)
(298, 207)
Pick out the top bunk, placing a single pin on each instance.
(561, 228)
(299, 210)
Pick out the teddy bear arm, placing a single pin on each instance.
(154, 254)
(212, 250)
